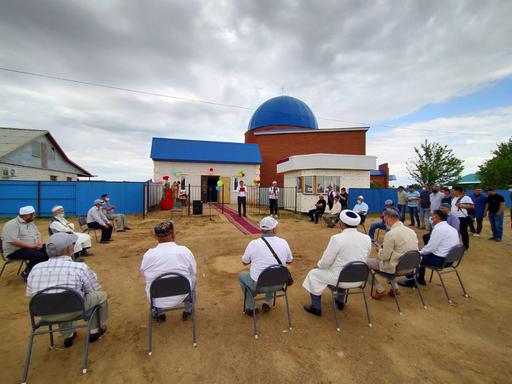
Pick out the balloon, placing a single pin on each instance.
(210, 171)
(217, 188)
(220, 183)
(241, 173)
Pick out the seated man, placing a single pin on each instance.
(332, 215)
(452, 220)
(361, 208)
(167, 257)
(61, 270)
(443, 238)
(388, 204)
(399, 240)
(119, 219)
(21, 240)
(343, 248)
(60, 224)
(319, 209)
(260, 256)
(96, 219)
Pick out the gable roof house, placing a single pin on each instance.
(30, 154)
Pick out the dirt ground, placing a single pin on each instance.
(467, 342)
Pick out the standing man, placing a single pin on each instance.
(273, 198)
(436, 198)
(344, 198)
(241, 192)
(479, 201)
(96, 219)
(343, 248)
(121, 223)
(260, 255)
(168, 257)
(61, 270)
(319, 209)
(21, 240)
(460, 205)
(424, 205)
(402, 202)
(413, 197)
(496, 208)
(447, 197)
(330, 197)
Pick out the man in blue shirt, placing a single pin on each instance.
(479, 200)
(412, 205)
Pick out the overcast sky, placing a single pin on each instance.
(379, 63)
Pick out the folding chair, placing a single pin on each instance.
(353, 276)
(49, 302)
(273, 276)
(82, 222)
(451, 263)
(167, 285)
(9, 261)
(407, 265)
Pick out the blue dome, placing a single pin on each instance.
(283, 110)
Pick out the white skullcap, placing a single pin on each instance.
(56, 208)
(360, 197)
(349, 217)
(268, 223)
(27, 210)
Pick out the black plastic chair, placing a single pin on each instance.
(82, 222)
(167, 285)
(354, 275)
(451, 263)
(407, 265)
(363, 219)
(273, 276)
(8, 261)
(56, 301)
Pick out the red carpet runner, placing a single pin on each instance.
(241, 223)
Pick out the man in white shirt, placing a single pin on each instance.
(442, 239)
(260, 257)
(460, 205)
(60, 224)
(343, 248)
(168, 257)
(241, 192)
(332, 215)
(273, 198)
(96, 219)
(361, 208)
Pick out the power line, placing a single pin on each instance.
(209, 102)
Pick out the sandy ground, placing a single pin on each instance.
(468, 342)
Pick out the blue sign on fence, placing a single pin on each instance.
(76, 196)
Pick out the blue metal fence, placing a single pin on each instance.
(375, 197)
(76, 196)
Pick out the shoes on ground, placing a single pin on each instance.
(409, 283)
(340, 305)
(185, 315)
(265, 307)
(96, 336)
(313, 310)
(476, 235)
(421, 281)
(127, 229)
(110, 239)
(379, 295)
(249, 312)
(68, 341)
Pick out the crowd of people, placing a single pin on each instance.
(53, 264)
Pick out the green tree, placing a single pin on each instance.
(435, 164)
(497, 172)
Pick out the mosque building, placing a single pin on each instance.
(283, 143)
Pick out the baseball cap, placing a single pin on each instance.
(59, 242)
(268, 223)
(98, 201)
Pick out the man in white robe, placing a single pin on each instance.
(343, 248)
(60, 224)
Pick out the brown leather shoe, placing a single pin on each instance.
(379, 295)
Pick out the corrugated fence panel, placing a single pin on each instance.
(76, 197)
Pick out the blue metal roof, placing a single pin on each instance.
(377, 172)
(283, 110)
(199, 151)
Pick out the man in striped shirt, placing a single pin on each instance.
(60, 270)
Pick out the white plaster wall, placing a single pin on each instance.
(193, 172)
(28, 173)
(348, 178)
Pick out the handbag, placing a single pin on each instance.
(290, 278)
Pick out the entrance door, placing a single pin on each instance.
(226, 196)
(211, 191)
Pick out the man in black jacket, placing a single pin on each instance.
(319, 209)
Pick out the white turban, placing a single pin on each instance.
(27, 210)
(349, 217)
(56, 208)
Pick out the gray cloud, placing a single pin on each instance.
(351, 60)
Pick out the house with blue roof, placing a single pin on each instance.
(204, 163)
